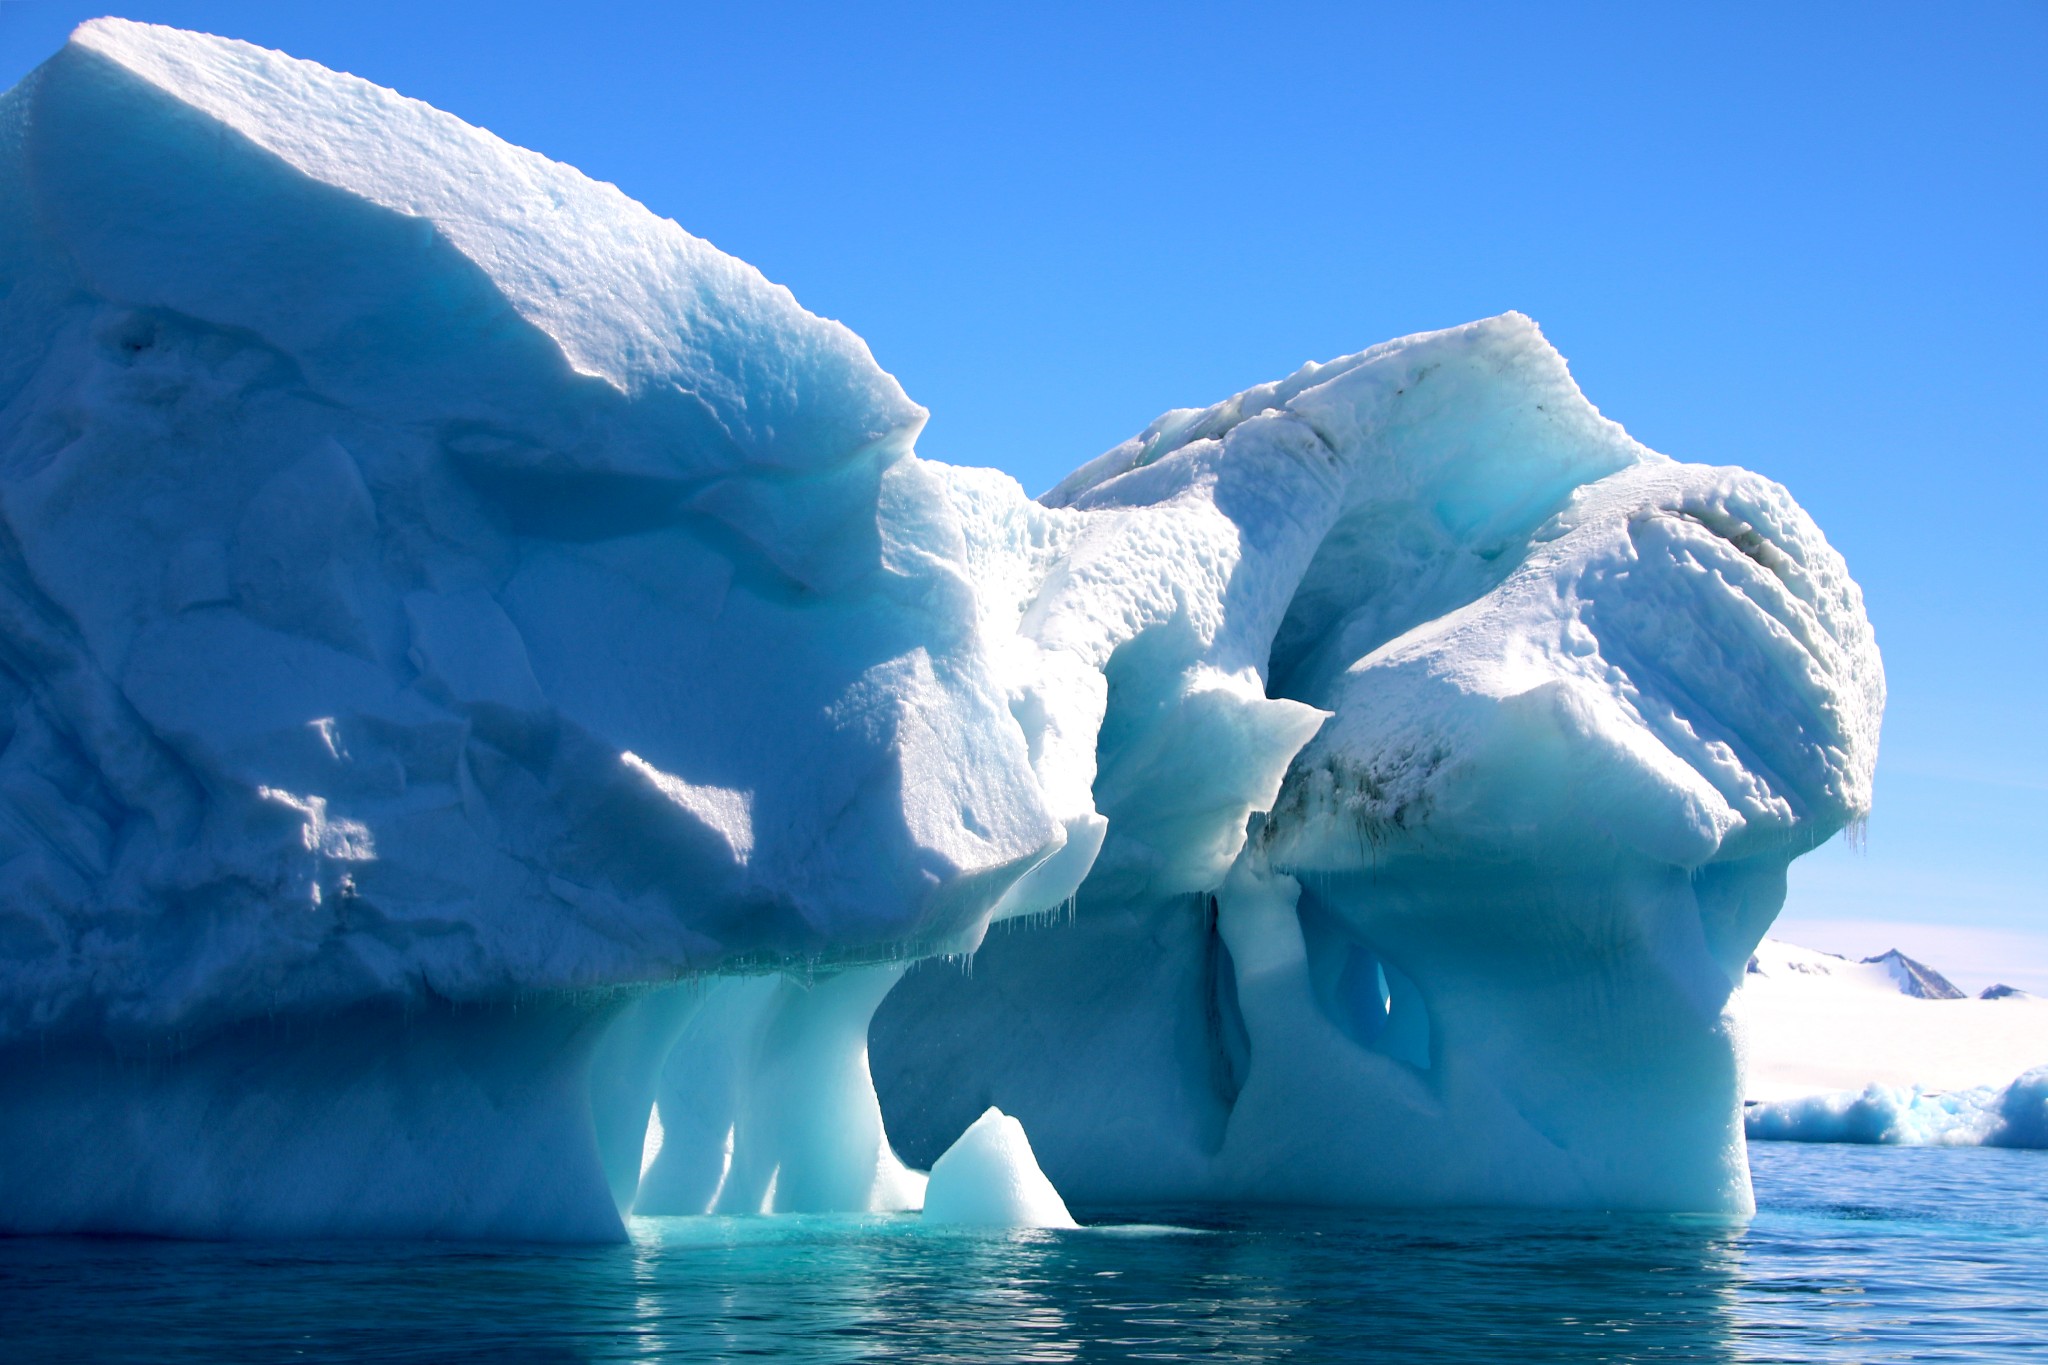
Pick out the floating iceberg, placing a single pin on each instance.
(990, 1179)
(1474, 943)
(483, 668)
(1983, 1116)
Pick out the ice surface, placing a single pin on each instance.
(770, 1105)
(481, 668)
(440, 510)
(2015, 1115)
(430, 579)
(989, 1178)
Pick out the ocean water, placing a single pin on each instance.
(1856, 1254)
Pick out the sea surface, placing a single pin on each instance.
(1856, 1254)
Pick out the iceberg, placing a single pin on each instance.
(990, 1179)
(1570, 709)
(502, 730)
(2015, 1115)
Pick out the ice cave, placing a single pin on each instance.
(502, 731)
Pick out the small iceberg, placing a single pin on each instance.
(1984, 1116)
(989, 1178)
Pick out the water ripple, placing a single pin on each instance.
(1863, 1255)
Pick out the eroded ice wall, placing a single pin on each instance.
(1585, 704)
(480, 667)
(430, 585)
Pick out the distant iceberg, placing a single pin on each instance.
(481, 668)
(2010, 1116)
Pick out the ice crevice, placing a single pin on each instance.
(500, 731)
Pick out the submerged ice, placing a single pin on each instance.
(483, 670)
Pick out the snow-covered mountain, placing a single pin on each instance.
(1886, 1050)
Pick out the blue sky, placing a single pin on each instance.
(1805, 238)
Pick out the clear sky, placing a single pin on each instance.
(1806, 238)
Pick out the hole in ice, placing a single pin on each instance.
(1370, 1000)
(130, 334)
(1361, 992)
(650, 1146)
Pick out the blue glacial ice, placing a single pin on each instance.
(487, 681)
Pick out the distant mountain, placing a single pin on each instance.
(1896, 971)
(1916, 978)
(2002, 992)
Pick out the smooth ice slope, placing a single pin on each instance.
(990, 1179)
(480, 667)
(769, 1102)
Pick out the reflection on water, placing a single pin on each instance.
(1858, 1255)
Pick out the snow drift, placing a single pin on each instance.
(480, 667)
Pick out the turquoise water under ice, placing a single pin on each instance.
(1856, 1254)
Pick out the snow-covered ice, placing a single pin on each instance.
(482, 669)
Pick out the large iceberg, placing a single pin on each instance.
(501, 728)
(1584, 706)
